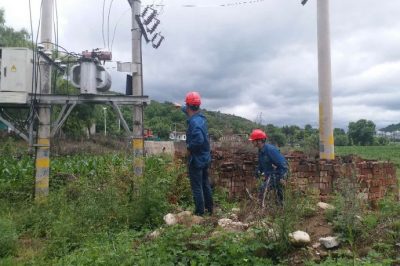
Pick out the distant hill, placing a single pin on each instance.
(391, 128)
(163, 118)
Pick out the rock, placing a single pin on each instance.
(329, 242)
(325, 206)
(232, 226)
(272, 234)
(170, 219)
(154, 234)
(323, 254)
(184, 214)
(234, 217)
(186, 218)
(235, 210)
(316, 245)
(299, 238)
(196, 220)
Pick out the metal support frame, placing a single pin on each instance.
(10, 125)
(93, 98)
(121, 117)
(69, 102)
(62, 117)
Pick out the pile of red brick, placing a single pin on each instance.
(235, 171)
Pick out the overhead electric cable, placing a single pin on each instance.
(108, 24)
(102, 24)
(233, 4)
(116, 25)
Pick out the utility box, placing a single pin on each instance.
(16, 65)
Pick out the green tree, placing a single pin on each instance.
(275, 135)
(362, 132)
(292, 134)
(11, 37)
(340, 137)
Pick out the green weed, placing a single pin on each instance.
(8, 237)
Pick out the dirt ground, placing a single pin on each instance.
(316, 226)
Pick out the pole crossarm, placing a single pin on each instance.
(79, 99)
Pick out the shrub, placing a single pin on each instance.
(150, 199)
(8, 237)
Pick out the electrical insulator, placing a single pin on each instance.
(100, 55)
(144, 13)
(152, 15)
(156, 45)
(154, 37)
(153, 28)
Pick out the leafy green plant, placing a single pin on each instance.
(150, 198)
(8, 237)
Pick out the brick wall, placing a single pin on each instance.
(234, 169)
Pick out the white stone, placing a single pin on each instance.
(184, 214)
(235, 210)
(196, 220)
(230, 225)
(329, 242)
(299, 238)
(325, 206)
(170, 219)
(234, 216)
(224, 221)
(272, 234)
(316, 245)
(154, 234)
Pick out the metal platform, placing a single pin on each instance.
(68, 103)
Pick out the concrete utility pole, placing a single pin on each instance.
(326, 141)
(105, 120)
(43, 144)
(137, 89)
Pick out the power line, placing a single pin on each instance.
(116, 25)
(108, 24)
(232, 4)
(102, 24)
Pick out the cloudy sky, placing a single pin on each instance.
(251, 58)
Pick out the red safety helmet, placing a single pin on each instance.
(258, 134)
(193, 98)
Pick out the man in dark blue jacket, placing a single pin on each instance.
(271, 163)
(199, 154)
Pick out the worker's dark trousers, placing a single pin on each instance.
(201, 190)
(274, 183)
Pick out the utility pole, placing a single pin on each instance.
(137, 90)
(326, 141)
(105, 120)
(324, 82)
(43, 144)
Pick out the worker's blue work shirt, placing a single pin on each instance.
(271, 161)
(197, 141)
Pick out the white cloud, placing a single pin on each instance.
(251, 58)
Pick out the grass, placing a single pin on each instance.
(386, 153)
(98, 213)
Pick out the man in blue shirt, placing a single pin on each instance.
(271, 163)
(198, 147)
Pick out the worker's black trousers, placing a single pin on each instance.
(201, 190)
(273, 182)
